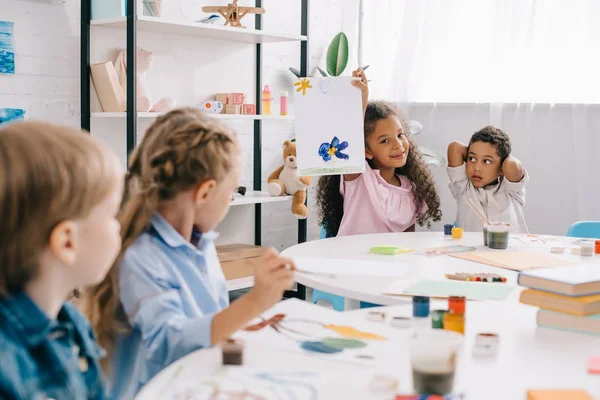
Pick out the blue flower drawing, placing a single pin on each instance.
(328, 150)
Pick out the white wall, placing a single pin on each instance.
(185, 68)
(46, 82)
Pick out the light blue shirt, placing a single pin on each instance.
(170, 289)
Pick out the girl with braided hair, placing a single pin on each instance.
(166, 295)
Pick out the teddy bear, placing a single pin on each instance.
(285, 180)
(144, 97)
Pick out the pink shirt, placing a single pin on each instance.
(371, 205)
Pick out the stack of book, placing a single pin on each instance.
(568, 297)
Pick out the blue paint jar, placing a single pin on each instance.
(420, 306)
(448, 229)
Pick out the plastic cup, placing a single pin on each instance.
(497, 235)
(433, 357)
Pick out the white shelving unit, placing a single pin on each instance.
(217, 116)
(208, 31)
(138, 23)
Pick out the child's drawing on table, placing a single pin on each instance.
(395, 192)
(486, 172)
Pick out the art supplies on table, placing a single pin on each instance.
(486, 345)
(446, 288)
(448, 229)
(448, 250)
(303, 328)
(329, 126)
(388, 250)
(479, 277)
(578, 280)
(420, 306)
(457, 233)
(558, 395)
(513, 260)
(437, 319)
(587, 248)
(233, 352)
(401, 322)
(552, 319)
(581, 305)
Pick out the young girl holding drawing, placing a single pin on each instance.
(486, 175)
(166, 295)
(59, 196)
(395, 191)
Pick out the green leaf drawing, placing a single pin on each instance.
(323, 73)
(337, 55)
(295, 72)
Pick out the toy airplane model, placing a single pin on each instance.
(233, 13)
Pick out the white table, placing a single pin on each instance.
(370, 288)
(529, 357)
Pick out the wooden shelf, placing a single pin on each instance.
(209, 31)
(217, 116)
(252, 197)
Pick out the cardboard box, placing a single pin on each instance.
(235, 259)
(249, 109)
(233, 109)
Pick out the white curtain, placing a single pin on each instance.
(529, 67)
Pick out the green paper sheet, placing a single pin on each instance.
(388, 250)
(470, 290)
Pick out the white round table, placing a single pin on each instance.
(369, 288)
(529, 357)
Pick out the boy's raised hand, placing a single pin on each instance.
(273, 276)
(363, 85)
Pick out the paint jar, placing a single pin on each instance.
(434, 356)
(448, 229)
(587, 248)
(283, 103)
(457, 304)
(152, 8)
(454, 322)
(420, 306)
(597, 246)
(437, 319)
(457, 233)
(233, 352)
(497, 236)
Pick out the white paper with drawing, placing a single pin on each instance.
(329, 126)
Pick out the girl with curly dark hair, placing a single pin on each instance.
(395, 191)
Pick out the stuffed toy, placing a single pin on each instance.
(144, 97)
(285, 180)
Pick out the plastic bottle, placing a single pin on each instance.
(266, 101)
(283, 103)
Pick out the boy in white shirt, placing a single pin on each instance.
(485, 172)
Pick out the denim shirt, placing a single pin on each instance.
(170, 289)
(44, 358)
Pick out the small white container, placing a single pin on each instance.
(587, 248)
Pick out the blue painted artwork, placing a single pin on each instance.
(11, 114)
(7, 49)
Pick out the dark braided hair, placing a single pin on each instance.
(181, 149)
(330, 203)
